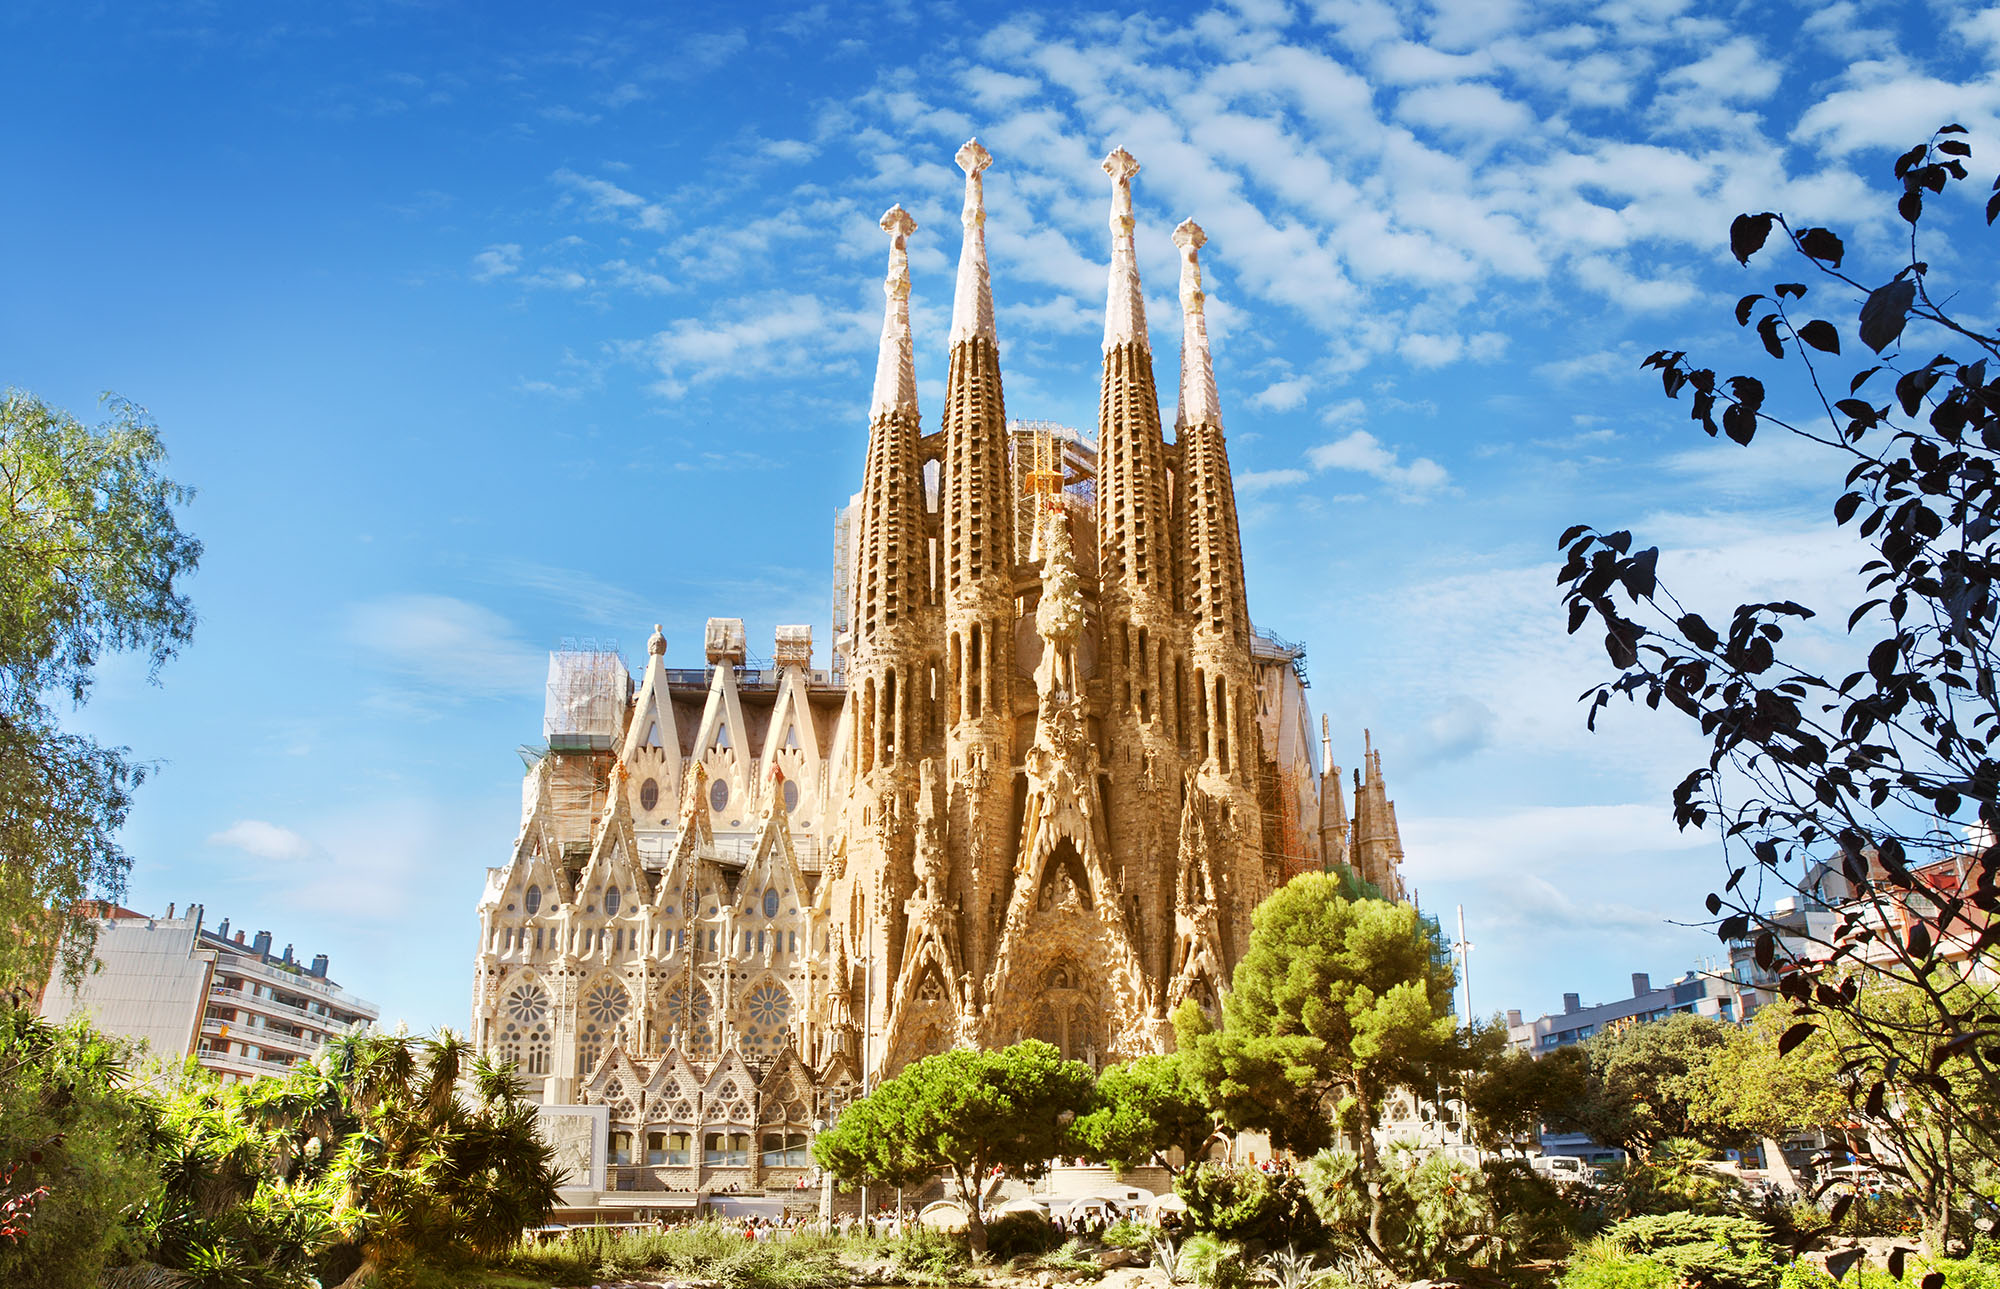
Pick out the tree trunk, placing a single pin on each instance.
(1371, 1165)
(975, 1225)
(370, 1264)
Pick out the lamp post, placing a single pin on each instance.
(1464, 948)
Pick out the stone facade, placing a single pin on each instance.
(1050, 773)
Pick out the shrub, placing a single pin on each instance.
(1600, 1265)
(1129, 1233)
(928, 1257)
(1021, 1234)
(1213, 1263)
(1704, 1251)
(1258, 1209)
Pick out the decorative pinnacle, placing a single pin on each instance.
(1199, 403)
(972, 300)
(1124, 306)
(896, 364)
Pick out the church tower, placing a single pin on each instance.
(1223, 701)
(1143, 639)
(892, 668)
(976, 563)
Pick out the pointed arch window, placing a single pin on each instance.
(611, 898)
(771, 901)
(532, 901)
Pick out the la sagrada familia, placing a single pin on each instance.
(1050, 773)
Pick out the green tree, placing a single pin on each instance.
(1513, 1094)
(1649, 1082)
(1749, 1090)
(963, 1114)
(1144, 1108)
(91, 561)
(78, 1141)
(1336, 1002)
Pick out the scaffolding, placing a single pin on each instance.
(1053, 461)
(588, 692)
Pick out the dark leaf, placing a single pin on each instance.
(1795, 289)
(1877, 1095)
(1860, 379)
(1953, 148)
(1767, 330)
(1844, 508)
(1931, 1280)
(1794, 1036)
(1839, 1264)
(1821, 335)
(1823, 245)
(1911, 205)
(1883, 316)
(1747, 234)
(1992, 207)
(1953, 128)
(1570, 534)
(1743, 309)
(1698, 632)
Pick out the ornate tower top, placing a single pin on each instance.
(896, 366)
(1124, 306)
(1199, 405)
(972, 303)
(656, 646)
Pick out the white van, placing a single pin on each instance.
(1563, 1168)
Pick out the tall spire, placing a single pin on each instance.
(1124, 306)
(972, 303)
(1199, 405)
(896, 366)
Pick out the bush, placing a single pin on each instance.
(1021, 1234)
(1704, 1251)
(1214, 1263)
(1260, 1210)
(1129, 1233)
(928, 1257)
(1600, 1265)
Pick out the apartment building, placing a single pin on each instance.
(223, 997)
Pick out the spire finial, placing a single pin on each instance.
(1199, 405)
(656, 646)
(1124, 307)
(896, 364)
(972, 303)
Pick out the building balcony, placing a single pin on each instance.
(271, 1006)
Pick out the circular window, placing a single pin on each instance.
(771, 902)
(611, 901)
(770, 1004)
(649, 794)
(718, 795)
(527, 1003)
(791, 796)
(605, 1003)
(534, 899)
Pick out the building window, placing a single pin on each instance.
(791, 796)
(667, 1149)
(533, 900)
(785, 1150)
(771, 902)
(726, 1150)
(649, 791)
(718, 795)
(611, 902)
(621, 1147)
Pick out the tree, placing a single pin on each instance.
(964, 1114)
(76, 1141)
(1335, 1003)
(1144, 1108)
(1857, 791)
(1513, 1094)
(91, 561)
(1648, 1081)
(1749, 1090)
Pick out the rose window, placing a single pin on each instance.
(527, 1004)
(770, 1004)
(605, 1004)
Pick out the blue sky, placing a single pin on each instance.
(482, 326)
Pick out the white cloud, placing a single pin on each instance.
(779, 332)
(603, 199)
(1282, 395)
(444, 647)
(1465, 108)
(1734, 71)
(497, 262)
(1259, 481)
(264, 840)
(1362, 451)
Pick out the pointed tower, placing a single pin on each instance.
(976, 559)
(1223, 742)
(1143, 653)
(1378, 842)
(1332, 804)
(889, 717)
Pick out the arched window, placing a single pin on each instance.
(667, 1148)
(533, 900)
(524, 1028)
(611, 902)
(649, 791)
(621, 1147)
(718, 795)
(791, 796)
(771, 902)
